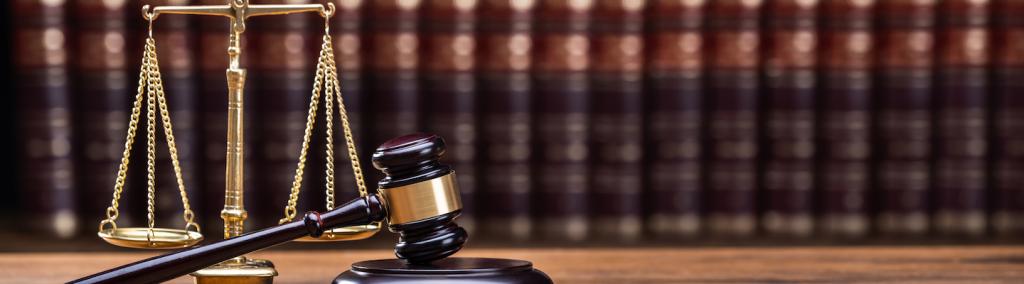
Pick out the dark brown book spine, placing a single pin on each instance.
(904, 121)
(282, 79)
(175, 43)
(616, 83)
(103, 90)
(213, 61)
(845, 62)
(675, 116)
(393, 47)
(962, 118)
(346, 30)
(1008, 199)
(790, 84)
(503, 75)
(46, 181)
(734, 43)
(449, 90)
(561, 105)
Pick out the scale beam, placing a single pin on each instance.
(248, 10)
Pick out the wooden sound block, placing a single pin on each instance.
(447, 270)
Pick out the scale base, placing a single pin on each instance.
(448, 270)
(237, 271)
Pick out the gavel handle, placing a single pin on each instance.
(360, 211)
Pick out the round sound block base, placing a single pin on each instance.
(448, 270)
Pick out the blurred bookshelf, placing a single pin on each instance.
(571, 123)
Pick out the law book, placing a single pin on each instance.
(346, 31)
(504, 40)
(845, 61)
(561, 98)
(46, 180)
(282, 81)
(733, 68)
(674, 87)
(104, 87)
(903, 125)
(961, 111)
(616, 116)
(1008, 155)
(448, 36)
(788, 71)
(212, 36)
(175, 45)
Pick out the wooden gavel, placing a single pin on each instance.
(418, 197)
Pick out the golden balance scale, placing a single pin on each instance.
(151, 93)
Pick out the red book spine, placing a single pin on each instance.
(904, 120)
(734, 42)
(616, 83)
(281, 81)
(962, 118)
(790, 84)
(1008, 199)
(503, 75)
(46, 175)
(175, 43)
(348, 52)
(393, 62)
(103, 90)
(212, 62)
(674, 69)
(449, 90)
(561, 97)
(845, 60)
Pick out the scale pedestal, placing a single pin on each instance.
(448, 270)
(239, 270)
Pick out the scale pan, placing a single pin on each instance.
(350, 233)
(162, 238)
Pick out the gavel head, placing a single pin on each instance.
(421, 196)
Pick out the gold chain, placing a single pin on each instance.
(150, 145)
(122, 170)
(353, 154)
(293, 197)
(172, 146)
(150, 85)
(325, 69)
(329, 118)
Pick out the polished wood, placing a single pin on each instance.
(947, 264)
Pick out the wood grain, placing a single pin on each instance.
(946, 264)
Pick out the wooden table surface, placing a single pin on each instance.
(941, 264)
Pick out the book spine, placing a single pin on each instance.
(1008, 211)
(213, 60)
(616, 81)
(175, 47)
(904, 126)
(393, 42)
(734, 43)
(449, 90)
(674, 74)
(102, 100)
(348, 50)
(282, 80)
(46, 181)
(561, 105)
(962, 118)
(503, 75)
(790, 84)
(845, 61)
